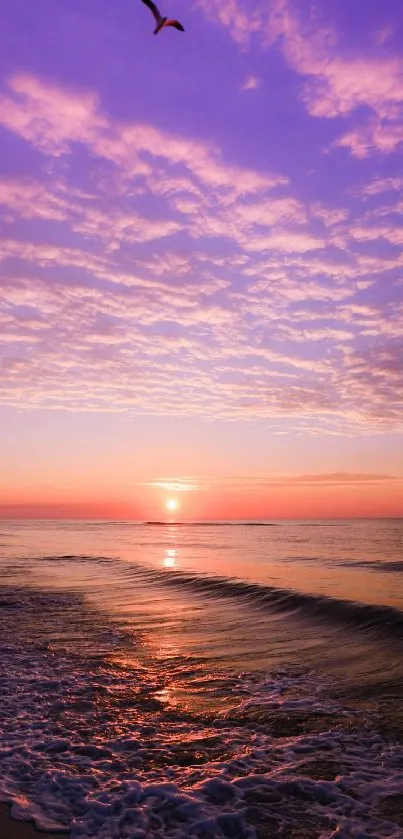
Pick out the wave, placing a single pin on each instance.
(384, 620)
(393, 566)
(211, 523)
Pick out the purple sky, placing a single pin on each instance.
(201, 243)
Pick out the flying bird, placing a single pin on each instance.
(162, 21)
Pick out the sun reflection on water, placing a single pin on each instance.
(170, 558)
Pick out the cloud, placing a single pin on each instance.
(374, 375)
(251, 82)
(285, 241)
(208, 198)
(249, 483)
(339, 80)
(384, 136)
(31, 199)
(243, 22)
(174, 484)
(392, 233)
(53, 119)
(343, 478)
(381, 185)
(28, 198)
(48, 118)
(331, 216)
(178, 283)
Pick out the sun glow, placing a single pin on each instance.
(171, 504)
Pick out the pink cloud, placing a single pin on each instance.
(243, 22)
(52, 119)
(49, 119)
(330, 216)
(284, 240)
(338, 79)
(251, 83)
(392, 233)
(381, 185)
(382, 135)
(28, 198)
(210, 196)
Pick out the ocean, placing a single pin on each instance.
(209, 680)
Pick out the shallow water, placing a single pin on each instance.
(208, 681)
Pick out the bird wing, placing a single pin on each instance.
(154, 9)
(174, 23)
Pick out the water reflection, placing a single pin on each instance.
(170, 558)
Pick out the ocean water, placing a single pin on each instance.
(208, 680)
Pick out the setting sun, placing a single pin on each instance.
(171, 504)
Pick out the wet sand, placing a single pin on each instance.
(12, 829)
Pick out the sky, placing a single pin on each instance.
(201, 264)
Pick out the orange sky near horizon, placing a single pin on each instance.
(337, 495)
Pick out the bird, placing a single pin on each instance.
(162, 21)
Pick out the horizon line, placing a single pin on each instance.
(184, 522)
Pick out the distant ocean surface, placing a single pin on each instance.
(203, 680)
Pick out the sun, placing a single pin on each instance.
(171, 504)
